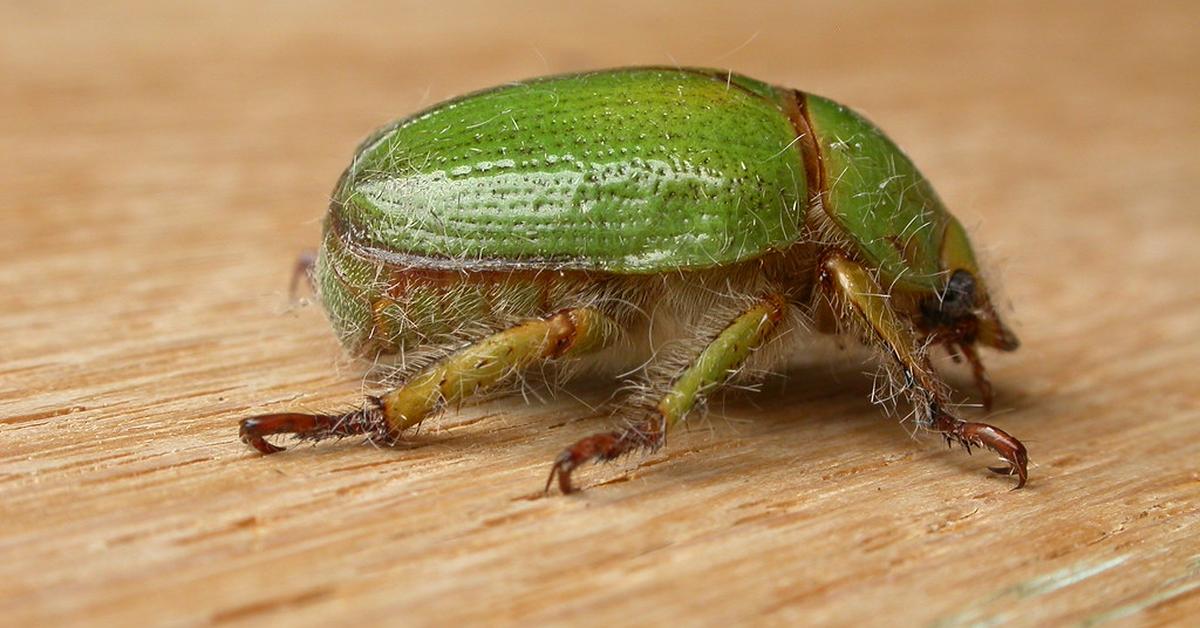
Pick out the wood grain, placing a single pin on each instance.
(165, 162)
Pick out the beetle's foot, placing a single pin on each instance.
(305, 262)
(1011, 450)
(254, 430)
(602, 448)
(314, 427)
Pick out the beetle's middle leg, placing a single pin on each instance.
(471, 370)
(853, 285)
(715, 364)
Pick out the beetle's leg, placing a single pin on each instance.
(853, 285)
(307, 426)
(982, 381)
(303, 268)
(721, 359)
(960, 350)
(471, 370)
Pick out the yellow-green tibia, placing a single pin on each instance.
(722, 357)
(857, 288)
(495, 359)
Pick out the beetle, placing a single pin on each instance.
(692, 221)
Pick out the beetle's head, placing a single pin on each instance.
(960, 310)
(889, 214)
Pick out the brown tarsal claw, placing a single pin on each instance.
(562, 468)
(999, 441)
(252, 435)
(604, 446)
(255, 428)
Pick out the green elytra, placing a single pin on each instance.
(634, 171)
(526, 209)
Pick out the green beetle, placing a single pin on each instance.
(683, 224)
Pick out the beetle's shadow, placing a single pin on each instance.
(797, 403)
(796, 394)
(846, 382)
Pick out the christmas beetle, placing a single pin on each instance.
(690, 221)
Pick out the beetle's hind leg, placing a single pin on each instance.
(302, 269)
(474, 369)
(716, 363)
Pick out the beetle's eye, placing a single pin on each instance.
(959, 297)
(954, 302)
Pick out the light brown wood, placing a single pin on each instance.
(164, 163)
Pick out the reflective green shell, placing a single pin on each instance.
(882, 203)
(641, 170)
(632, 171)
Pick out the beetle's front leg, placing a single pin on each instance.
(852, 286)
(471, 370)
(719, 360)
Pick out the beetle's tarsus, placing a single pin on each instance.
(603, 447)
(986, 436)
(367, 420)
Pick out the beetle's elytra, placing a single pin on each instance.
(694, 222)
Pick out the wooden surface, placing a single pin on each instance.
(165, 163)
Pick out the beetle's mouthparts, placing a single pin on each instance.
(993, 332)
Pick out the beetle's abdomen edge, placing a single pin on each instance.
(381, 305)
